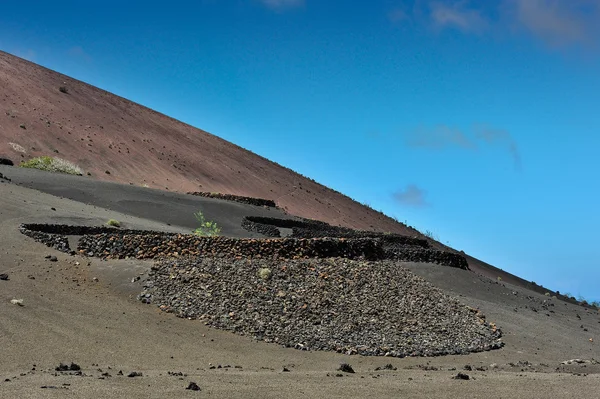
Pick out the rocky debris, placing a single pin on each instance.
(105, 242)
(461, 376)
(58, 242)
(71, 367)
(264, 229)
(4, 276)
(135, 374)
(236, 198)
(346, 368)
(184, 245)
(192, 386)
(395, 246)
(336, 304)
(2, 177)
(6, 161)
(54, 387)
(388, 366)
(579, 361)
(18, 302)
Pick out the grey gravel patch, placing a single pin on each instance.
(335, 304)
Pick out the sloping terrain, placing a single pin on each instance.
(84, 310)
(117, 140)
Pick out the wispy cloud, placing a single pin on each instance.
(457, 15)
(492, 135)
(282, 4)
(443, 136)
(555, 23)
(438, 137)
(412, 195)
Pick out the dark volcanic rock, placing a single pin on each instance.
(236, 198)
(354, 307)
(6, 161)
(346, 368)
(193, 386)
(4, 276)
(461, 376)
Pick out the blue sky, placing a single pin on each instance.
(478, 121)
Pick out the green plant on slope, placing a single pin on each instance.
(113, 223)
(207, 228)
(51, 164)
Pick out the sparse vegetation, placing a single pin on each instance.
(264, 273)
(52, 164)
(113, 223)
(63, 89)
(431, 235)
(207, 228)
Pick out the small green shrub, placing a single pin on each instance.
(264, 273)
(206, 228)
(113, 223)
(51, 164)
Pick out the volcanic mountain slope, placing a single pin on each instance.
(117, 140)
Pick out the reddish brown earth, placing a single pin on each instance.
(102, 132)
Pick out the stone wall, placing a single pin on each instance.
(106, 242)
(236, 198)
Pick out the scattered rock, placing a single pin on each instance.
(192, 386)
(18, 302)
(65, 367)
(4, 276)
(461, 376)
(6, 161)
(346, 368)
(388, 366)
(135, 374)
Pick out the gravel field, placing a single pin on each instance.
(335, 304)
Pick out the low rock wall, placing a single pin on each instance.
(56, 241)
(236, 198)
(151, 246)
(106, 242)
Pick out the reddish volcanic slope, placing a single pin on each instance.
(117, 140)
(102, 132)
